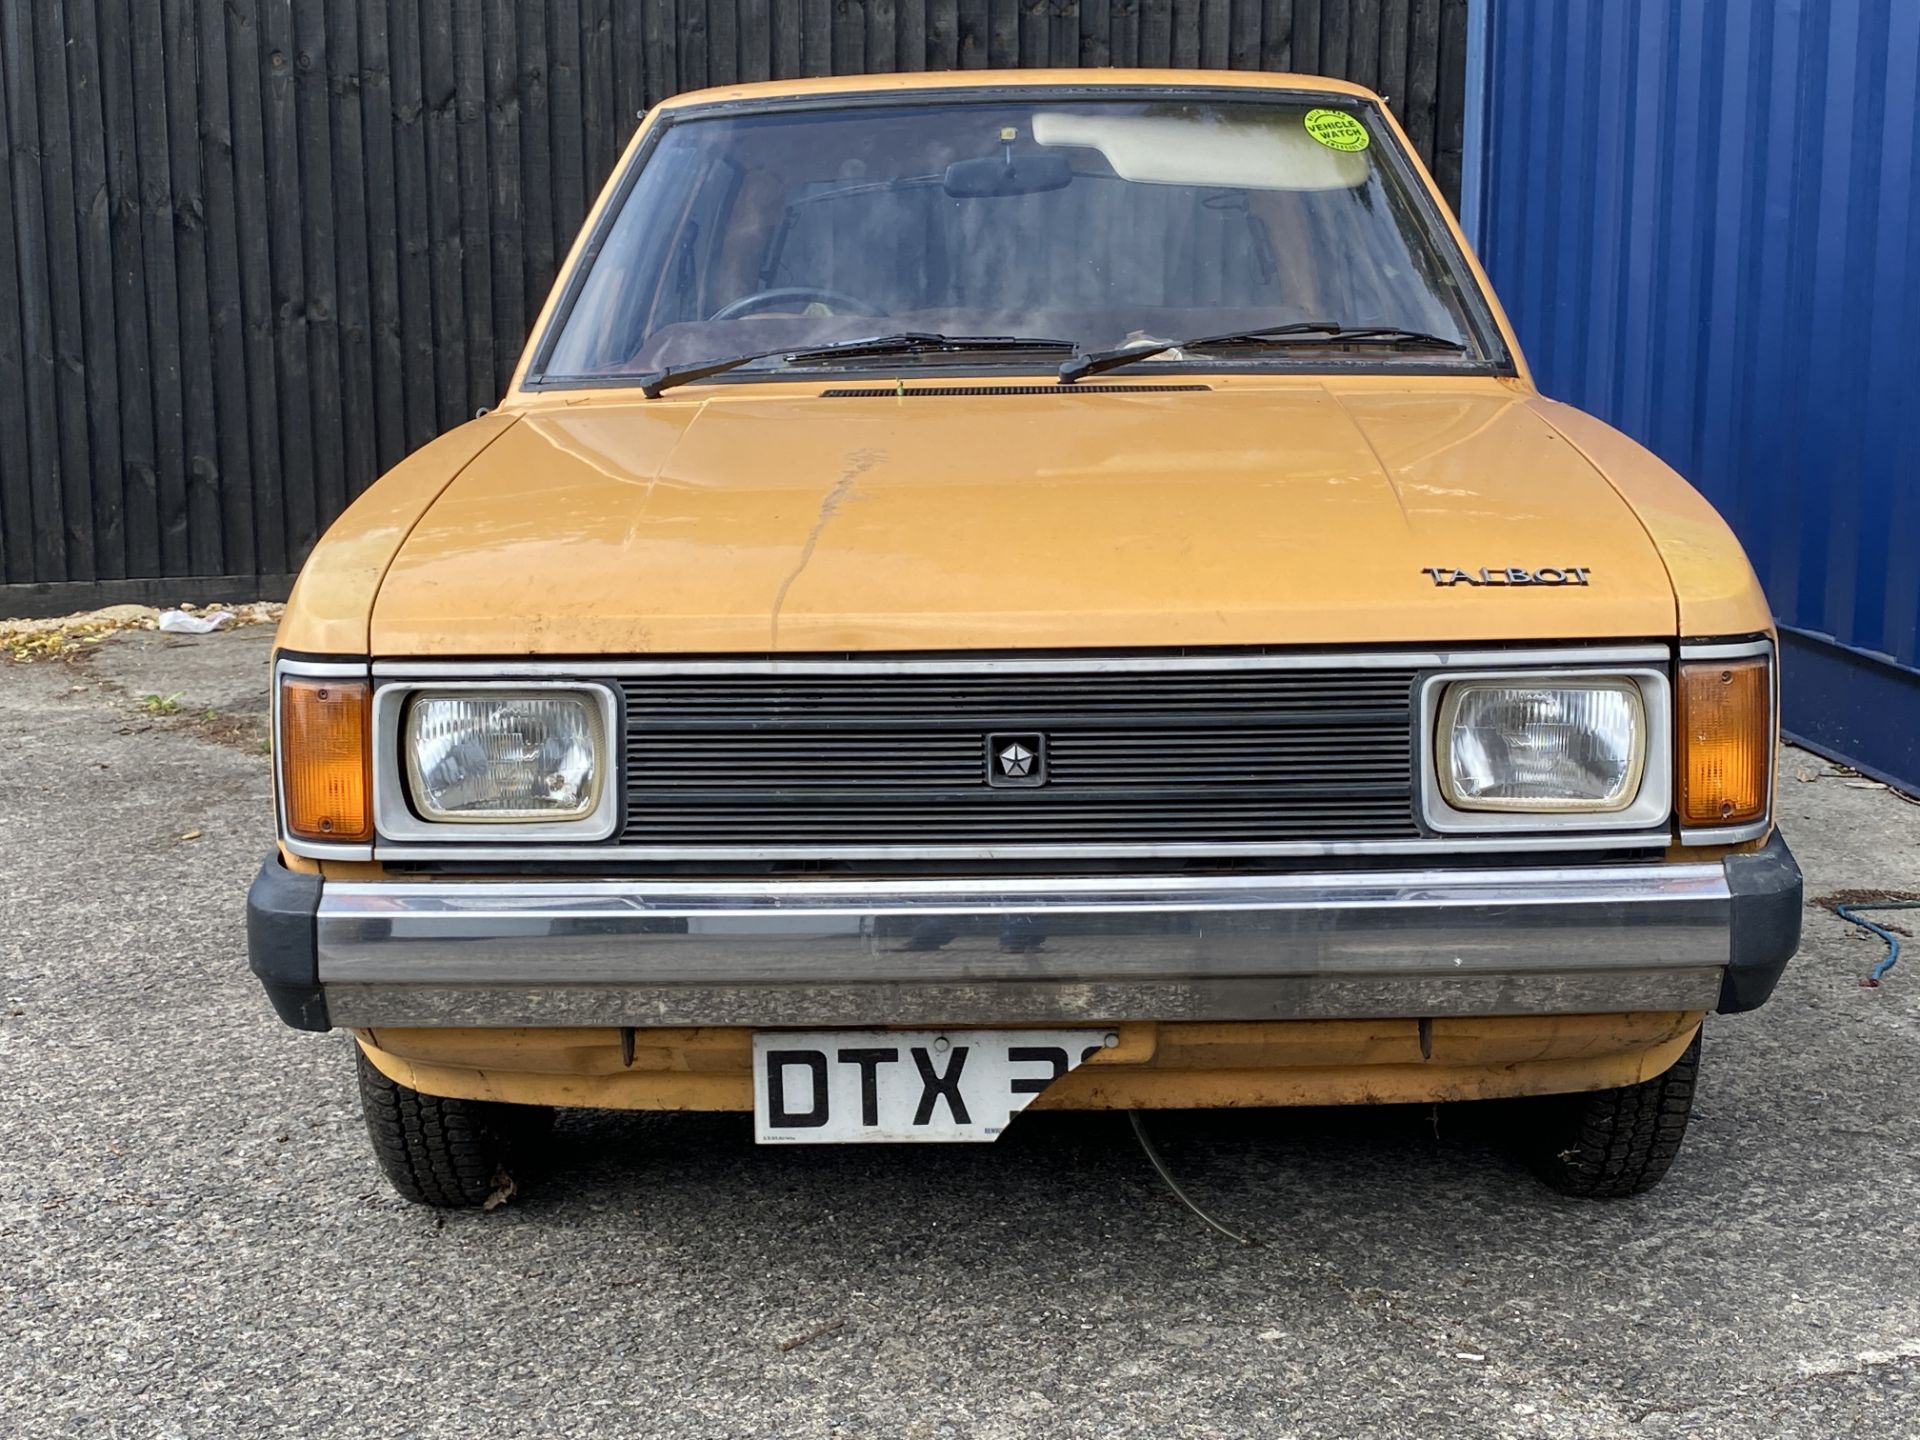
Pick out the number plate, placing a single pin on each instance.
(850, 1087)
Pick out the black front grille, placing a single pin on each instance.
(842, 763)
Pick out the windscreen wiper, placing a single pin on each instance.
(911, 342)
(921, 342)
(1306, 332)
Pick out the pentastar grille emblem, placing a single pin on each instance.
(1016, 760)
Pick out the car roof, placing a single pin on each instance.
(931, 81)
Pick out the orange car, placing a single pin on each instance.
(1004, 590)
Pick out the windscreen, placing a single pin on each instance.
(1100, 223)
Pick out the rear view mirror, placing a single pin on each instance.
(1009, 175)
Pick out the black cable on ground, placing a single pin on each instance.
(1153, 1158)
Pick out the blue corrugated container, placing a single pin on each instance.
(1704, 217)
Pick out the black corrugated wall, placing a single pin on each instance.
(252, 252)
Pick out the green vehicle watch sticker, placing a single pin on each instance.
(1337, 130)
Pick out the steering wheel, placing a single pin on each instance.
(839, 301)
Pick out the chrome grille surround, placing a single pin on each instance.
(873, 757)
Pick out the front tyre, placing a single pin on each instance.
(1607, 1144)
(448, 1153)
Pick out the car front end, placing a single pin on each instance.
(820, 705)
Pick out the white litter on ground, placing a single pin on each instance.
(184, 622)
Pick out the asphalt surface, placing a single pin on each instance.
(194, 1241)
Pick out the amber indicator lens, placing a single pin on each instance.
(323, 759)
(1726, 741)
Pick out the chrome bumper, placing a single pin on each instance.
(859, 953)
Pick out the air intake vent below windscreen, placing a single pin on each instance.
(921, 392)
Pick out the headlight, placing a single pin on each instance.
(1565, 747)
(524, 756)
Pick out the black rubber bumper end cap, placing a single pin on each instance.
(282, 944)
(1766, 890)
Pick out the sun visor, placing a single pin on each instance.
(1275, 154)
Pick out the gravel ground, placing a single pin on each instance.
(196, 1242)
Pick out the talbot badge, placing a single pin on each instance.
(1447, 575)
